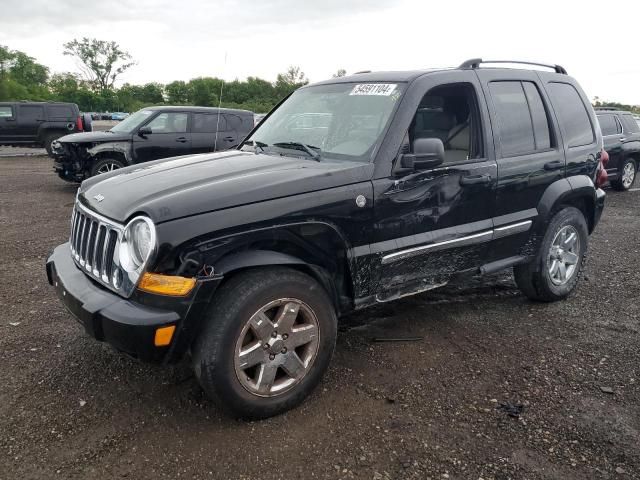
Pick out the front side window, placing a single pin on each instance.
(169, 122)
(572, 114)
(608, 125)
(6, 111)
(343, 121)
(132, 122)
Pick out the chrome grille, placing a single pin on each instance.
(93, 245)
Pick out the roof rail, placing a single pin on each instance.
(362, 71)
(606, 108)
(475, 63)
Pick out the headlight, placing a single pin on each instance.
(137, 244)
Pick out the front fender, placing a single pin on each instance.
(123, 148)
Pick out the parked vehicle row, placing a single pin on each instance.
(621, 135)
(355, 191)
(150, 134)
(39, 123)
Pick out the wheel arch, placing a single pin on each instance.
(578, 192)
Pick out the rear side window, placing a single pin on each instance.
(208, 123)
(608, 125)
(234, 122)
(573, 114)
(31, 112)
(60, 112)
(629, 123)
(6, 111)
(523, 124)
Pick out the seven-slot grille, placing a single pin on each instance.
(93, 242)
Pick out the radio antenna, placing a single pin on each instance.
(215, 146)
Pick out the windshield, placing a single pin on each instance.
(132, 122)
(342, 121)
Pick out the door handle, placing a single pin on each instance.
(623, 139)
(229, 139)
(555, 165)
(475, 179)
(181, 140)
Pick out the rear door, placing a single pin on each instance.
(529, 153)
(203, 131)
(612, 136)
(232, 133)
(169, 137)
(8, 122)
(30, 117)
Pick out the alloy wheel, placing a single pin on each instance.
(108, 167)
(277, 347)
(563, 255)
(628, 175)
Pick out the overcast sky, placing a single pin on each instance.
(179, 40)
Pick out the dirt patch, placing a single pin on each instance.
(73, 408)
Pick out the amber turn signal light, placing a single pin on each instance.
(166, 284)
(164, 335)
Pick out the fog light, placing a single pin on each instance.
(164, 335)
(166, 284)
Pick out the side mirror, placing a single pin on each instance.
(144, 131)
(427, 153)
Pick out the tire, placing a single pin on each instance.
(216, 360)
(87, 124)
(106, 165)
(536, 279)
(48, 140)
(627, 176)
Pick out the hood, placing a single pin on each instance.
(182, 186)
(95, 137)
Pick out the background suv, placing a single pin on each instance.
(39, 123)
(621, 135)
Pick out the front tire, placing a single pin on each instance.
(48, 141)
(268, 339)
(106, 165)
(627, 176)
(555, 272)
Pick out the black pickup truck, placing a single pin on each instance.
(621, 135)
(150, 134)
(353, 192)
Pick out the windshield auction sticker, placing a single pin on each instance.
(384, 89)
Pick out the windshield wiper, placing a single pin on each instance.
(310, 149)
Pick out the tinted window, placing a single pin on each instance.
(608, 124)
(31, 112)
(538, 116)
(629, 124)
(514, 121)
(208, 123)
(60, 111)
(573, 114)
(169, 123)
(234, 122)
(6, 111)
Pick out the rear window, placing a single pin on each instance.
(608, 125)
(6, 111)
(630, 124)
(573, 114)
(60, 112)
(522, 118)
(208, 123)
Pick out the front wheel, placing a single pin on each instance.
(627, 176)
(268, 340)
(106, 165)
(48, 142)
(555, 272)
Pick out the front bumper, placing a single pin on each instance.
(129, 325)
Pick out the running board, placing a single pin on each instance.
(503, 264)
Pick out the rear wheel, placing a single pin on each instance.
(269, 337)
(627, 176)
(106, 165)
(555, 272)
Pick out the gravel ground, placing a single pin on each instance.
(498, 387)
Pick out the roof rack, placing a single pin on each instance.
(475, 63)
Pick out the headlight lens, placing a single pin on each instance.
(138, 242)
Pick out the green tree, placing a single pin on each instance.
(289, 81)
(101, 62)
(340, 73)
(178, 92)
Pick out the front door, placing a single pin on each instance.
(432, 224)
(169, 137)
(8, 122)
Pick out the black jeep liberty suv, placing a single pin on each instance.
(353, 191)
